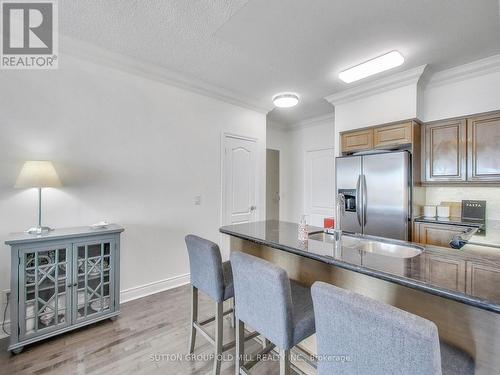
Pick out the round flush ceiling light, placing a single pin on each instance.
(285, 100)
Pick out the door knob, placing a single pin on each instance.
(253, 208)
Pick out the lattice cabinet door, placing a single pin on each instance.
(45, 281)
(94, 273)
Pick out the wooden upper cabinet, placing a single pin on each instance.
(357, 140)
(444, 150)
(392, 135)
(483, 134)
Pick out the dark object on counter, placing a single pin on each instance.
(460, 240)
(473, 210)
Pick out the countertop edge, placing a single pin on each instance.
(455, 296)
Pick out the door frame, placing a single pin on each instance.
(224, 243)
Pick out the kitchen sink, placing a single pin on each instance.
(375, 245)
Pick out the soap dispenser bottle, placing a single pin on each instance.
(303, 229)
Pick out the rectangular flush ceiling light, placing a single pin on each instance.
(379, 64)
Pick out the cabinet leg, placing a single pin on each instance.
(113, 318)
(17, 350)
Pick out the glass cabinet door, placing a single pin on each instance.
(44, 298)
(94, 271)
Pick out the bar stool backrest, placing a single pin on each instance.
(263, 297)
(205, 264)
(358, 335)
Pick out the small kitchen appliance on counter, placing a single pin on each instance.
(474, 211)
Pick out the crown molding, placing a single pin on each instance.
(277, 126)
(407, 77)
(313, 121)
(467, 71)
(98, 55)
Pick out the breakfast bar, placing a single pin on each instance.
(456, 289)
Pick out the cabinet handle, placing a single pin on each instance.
(75, 284)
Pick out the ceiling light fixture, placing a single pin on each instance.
(379, 64)
(285, 100)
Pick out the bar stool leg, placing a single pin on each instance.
(240, 346)
(233, 315)
(194, 318)
(284, 362)
(219, 309)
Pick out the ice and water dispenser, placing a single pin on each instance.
(349, 199)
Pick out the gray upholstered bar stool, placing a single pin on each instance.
(279, 309)
(214, 278)
(358, 335)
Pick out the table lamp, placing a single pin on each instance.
(38, 174)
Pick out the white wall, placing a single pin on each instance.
(293, 144)
(129, 150)
(469, 96)
(381, 107)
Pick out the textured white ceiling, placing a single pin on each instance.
(260, 47)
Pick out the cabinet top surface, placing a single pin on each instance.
(62, 233)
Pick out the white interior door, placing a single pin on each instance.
(240, 183)
(319, 180)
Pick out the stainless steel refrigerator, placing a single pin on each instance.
(377, 194)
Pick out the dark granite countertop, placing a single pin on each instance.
(409, 272)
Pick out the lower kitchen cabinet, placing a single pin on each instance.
(61, 281)
(446, 272)
(436, 234)
(483, 280)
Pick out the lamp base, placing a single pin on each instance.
(38, 230)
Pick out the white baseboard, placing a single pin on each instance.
(152, 288)
(134, 293)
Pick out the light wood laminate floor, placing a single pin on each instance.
(144, 339)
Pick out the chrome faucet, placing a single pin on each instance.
(337, 232)
(340, 210)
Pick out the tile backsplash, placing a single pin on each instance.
(436, 195)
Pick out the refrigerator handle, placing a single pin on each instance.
(358, 200)
(365, 198)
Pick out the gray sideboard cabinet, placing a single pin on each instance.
(63, 280)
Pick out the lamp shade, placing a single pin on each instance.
(39, 174)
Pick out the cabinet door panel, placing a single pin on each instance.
(44, 282)
(358, 140)
(483, 134)
(446, 272)
(94, 270)
(483, 281)
(445, 151)
(392, 135)
(437, 234)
